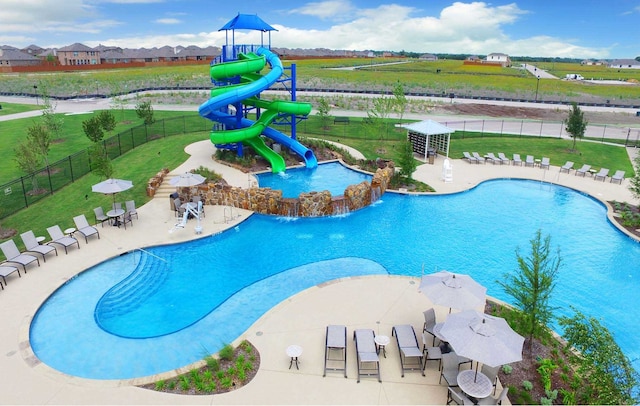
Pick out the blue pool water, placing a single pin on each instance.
(330, 176)
(197, 306)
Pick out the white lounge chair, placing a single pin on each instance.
(618, 177)
(13, 255)
(6, 270)
(544, 163)
(503, 158)
(31, 245)
(567, 167)
(84, 228)
(529, 161)
(409, 349)
(335, 344)
(469, 158)
(366, 354)
(517, 160)
(478, 157)
(603, 173)
(494, 159)
(57, 237)
(583, 170)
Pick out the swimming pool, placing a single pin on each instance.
(474, 232)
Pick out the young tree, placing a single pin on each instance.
(28, 160)
(52, 121)
(100, 162)
(144, 110)
(323, 112)
(107, 120)
(400, 100)
(93, 129)
(634, 182)
(39, 139)
(576, 124)
(407, 163)
(377, 116)
(118, 100)
(532, 285)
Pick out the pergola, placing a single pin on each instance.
(429, 136)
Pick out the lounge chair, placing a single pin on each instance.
(618, 177)
(583, 171)
(469, 158)
(100, 216)
(567, 167)
(503, 158)
(430, 353)
(13, 255)
(130, 207)
(57, 237)
(603, 173)
(478, 157)
(493, 401)
(408, 346)
(529, 161)
(429, 323)
(84, 228)
(32, 246)
(456, 395)
(366, 353)
(494, 158)
(6, 270)
(517, 160)
(544, 163)
(335, 343)
(450, 367)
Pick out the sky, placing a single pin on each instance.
(594, 29)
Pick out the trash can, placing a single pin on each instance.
(432, 158)
(637, 113)
(172, 197)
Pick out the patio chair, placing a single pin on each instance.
(408, 347)
(503, 158)
(32, 246)
(429, 323)
(430, 353)
(529, 161)
(469, 158)
(449, 369)
(517, 160)
(195, 199)
(492, 374)
(456, 395)
(84, 228)
(544, 163)
(6, 270)
(179, 211)
(603, 173)
(116, 206)
(618, 177)
(494, 158)
(493, 401)
(127, 218)
(335, 343)
(13, 255)
(100, 216)
(130, 207)
(567, 167)
(366, 354)
(478, 157)
(57, 237)
(583, 170)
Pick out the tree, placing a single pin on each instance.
(576, 124)
(93, 129)
(118, 100)
(634, 182)
(407, 163)
(40, 141)
(100, 162)
(107, 120)
(377, 116)
(323, 112)
(400, 100)
(28, 160)
(52, 121)
(532, 285)
(144, 110)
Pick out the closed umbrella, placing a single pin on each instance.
(482, 338)
(112, 186)
(187, 179)
(453, 290)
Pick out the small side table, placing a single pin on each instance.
(40, 239)
(69, 231)
(381, 342)
(294, 351)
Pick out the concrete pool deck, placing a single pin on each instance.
(301, 319)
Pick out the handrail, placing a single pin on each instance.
(153, 255)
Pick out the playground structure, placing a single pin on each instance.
(239, 83)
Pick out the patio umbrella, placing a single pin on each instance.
(112, 186)
(187, 179)
(482, 338)
(453, 290)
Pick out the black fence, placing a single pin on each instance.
(22, 192)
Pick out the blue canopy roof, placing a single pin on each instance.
(247, 22)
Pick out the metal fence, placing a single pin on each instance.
(22, 192)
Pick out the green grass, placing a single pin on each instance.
(13, 108)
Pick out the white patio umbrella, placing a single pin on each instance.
(453, 290)
(482, 338)
(187, 179)
(112, 186)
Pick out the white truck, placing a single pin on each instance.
(574, 76)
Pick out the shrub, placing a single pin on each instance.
(527, 385)
(507, 369)
(226, 353)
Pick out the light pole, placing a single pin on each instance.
(35, 89)
(96, 88)
(537, 86)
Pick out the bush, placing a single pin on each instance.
(527, 385)
(226, 353)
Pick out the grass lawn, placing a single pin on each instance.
(13, 108)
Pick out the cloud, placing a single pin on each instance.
(168, 21)
(325, 9)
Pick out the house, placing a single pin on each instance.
(498, 58)
(78, 54)
(10, 56)
(625, 64)
(428, 57)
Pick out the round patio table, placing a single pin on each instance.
(474, 383)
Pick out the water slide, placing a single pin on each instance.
(249, 131)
